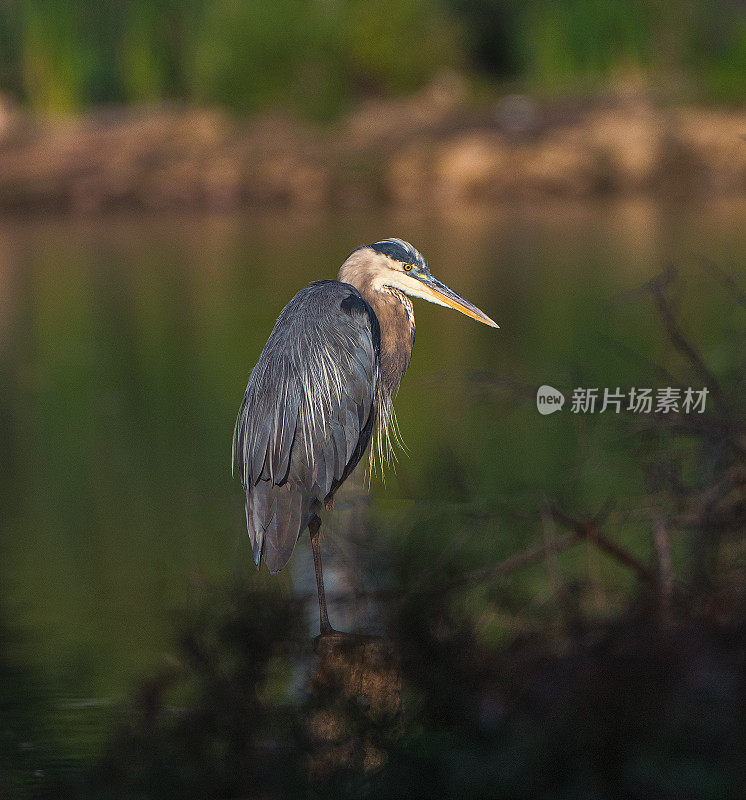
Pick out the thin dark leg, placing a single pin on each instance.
(313, 528)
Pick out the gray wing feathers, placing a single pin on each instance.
(306, 406)
(282, 532)
(267, 420)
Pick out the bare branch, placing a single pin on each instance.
(589, 530)
(665, 569)
(680, 342)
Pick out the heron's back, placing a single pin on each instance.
(307, 414)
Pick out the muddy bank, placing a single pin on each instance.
(430, 149)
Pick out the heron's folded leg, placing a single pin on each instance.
(313, 528)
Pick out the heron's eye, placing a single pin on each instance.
(407, 268)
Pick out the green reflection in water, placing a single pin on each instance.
(125, 346)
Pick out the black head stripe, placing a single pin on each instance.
(399, 250)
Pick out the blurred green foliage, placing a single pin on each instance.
(315, 56)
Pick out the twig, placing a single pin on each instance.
(681, 343)
(665, 570)
(534, 555)
(594, 573)
(579, 531)
(656, 369)
(550, 547)
(515, 562)
(727, 280)
(589, 530)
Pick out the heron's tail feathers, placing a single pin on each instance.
(275, 516)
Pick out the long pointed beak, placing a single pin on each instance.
(439, 293)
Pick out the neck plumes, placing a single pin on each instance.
(395, 318)
(395, 315)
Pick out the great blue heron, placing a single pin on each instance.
(324, 381)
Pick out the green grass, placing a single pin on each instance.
(315, 56)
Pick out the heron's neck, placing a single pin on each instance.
(395, 319)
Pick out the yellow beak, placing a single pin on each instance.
(439, 293)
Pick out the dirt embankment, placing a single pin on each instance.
(427, 150)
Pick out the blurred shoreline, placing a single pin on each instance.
(430, 150)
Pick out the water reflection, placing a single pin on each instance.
(124, 345)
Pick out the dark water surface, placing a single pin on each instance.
(125, 346)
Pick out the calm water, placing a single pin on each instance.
(125, 346)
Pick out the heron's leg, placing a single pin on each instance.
(313, 528)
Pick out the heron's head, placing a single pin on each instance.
(395, 264)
